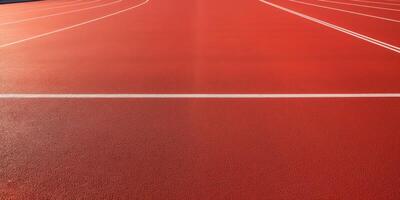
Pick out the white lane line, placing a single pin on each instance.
(198, 96)
(61, 13)
(73, 26)
(376, 2)
(338, 28)
(49, 8)
(346, 11)
(360, 5)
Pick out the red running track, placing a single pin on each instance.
(333, 148)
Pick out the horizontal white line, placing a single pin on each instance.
(198, 96)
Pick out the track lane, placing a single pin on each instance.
(50, 8)
(378, 2)
(198, 149)
(375, 28)
(21, 31)
(205, 149)
(10, 8)
(346, 11)
(45, 12)
(208, 52)
(32, 4)
(38, 17)
(349, 32)
(382, 13)
(380, 7)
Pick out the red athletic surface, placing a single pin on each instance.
(198, 148)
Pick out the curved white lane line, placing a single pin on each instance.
(338, 28)
(346, 11)
(61, 13)
(359, 5)
(73, 26)
(199, 96)
(376, 2)
(49, 8)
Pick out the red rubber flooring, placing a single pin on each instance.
(199, 148)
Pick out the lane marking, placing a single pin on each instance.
(57, 14)
(346, 11)
(198, 96)
(360, 5)
(49, 8)
(338, 28)
(73, 26)
(376, 2)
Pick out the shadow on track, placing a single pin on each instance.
(15, 1)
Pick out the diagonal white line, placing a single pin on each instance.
(49, 8)
(359, 5)
(73, 26)
(61, 13)
(199, 96)
(376, 2)
(346, 11)
(338, 28)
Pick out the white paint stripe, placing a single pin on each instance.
(73, 26)
(61, 13)
(197, 96)
(338, 28)
(346, 11)
(359, 5)
(376, 2)
(49, 8)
